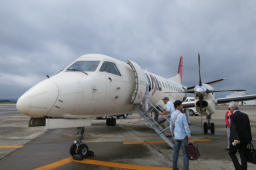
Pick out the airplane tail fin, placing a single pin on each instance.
(178, 78)
(180, 69)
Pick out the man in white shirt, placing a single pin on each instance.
(168, 111)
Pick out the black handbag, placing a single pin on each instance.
(251, 153)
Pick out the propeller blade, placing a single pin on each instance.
(188, 91)
(216, 81)
(199, 70)
(191, 87)
(217, 91)
(210, 82)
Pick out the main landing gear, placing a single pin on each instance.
(79, 150)
(209, 126)
(111, 121)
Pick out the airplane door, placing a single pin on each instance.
(140, 83)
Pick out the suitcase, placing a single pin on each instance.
(192, 151)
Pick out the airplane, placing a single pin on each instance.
(96, 85)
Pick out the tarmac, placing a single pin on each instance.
(129, 145)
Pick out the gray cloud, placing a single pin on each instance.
(42, 37)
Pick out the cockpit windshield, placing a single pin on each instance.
(84, 66)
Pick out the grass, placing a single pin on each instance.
(7, 103)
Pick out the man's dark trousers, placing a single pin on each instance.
(242, 151)
(240, 130)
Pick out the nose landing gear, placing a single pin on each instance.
(111, 121)
(79, 150)
(209, 126)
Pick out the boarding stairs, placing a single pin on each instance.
(142, 101)
(152, 123)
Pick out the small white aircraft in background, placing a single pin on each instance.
(205, 101)
(95, 85)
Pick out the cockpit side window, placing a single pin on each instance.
(84, 66)
(110, 67)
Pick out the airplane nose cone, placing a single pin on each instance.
(38, 100)
(22, 104)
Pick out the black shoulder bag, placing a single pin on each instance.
(251, 153)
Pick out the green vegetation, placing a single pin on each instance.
(7, 103)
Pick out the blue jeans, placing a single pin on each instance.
(176, 150)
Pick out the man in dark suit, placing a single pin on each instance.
(240, 136)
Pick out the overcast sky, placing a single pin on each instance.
(41, 37)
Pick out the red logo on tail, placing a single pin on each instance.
(180, 70)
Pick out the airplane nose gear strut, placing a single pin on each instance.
(79, 150)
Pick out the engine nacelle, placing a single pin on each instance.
(201, 103)
(207, 105)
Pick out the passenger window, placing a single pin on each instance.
(110, 68)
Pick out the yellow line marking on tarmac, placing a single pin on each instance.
(121, 165)
(100, 163)
(11, 146)
(201, 140)
(56, 164)
(144, 142)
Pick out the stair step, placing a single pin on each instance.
(152, 123)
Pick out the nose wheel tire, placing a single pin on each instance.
(111, 122)
(80, 152)
(210, 126)
(212, 129)
(205, 128)
(83, 150)
(73, 149)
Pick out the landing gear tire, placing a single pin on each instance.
(79, 150)
(209, 126)
(83, 150)
(108, 122)
(73, 149)
(212, 129)
(111, 122)
(205, 128)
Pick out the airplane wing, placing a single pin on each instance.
(235, 99)
(223, 100)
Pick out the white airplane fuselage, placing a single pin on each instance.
(76, 94)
